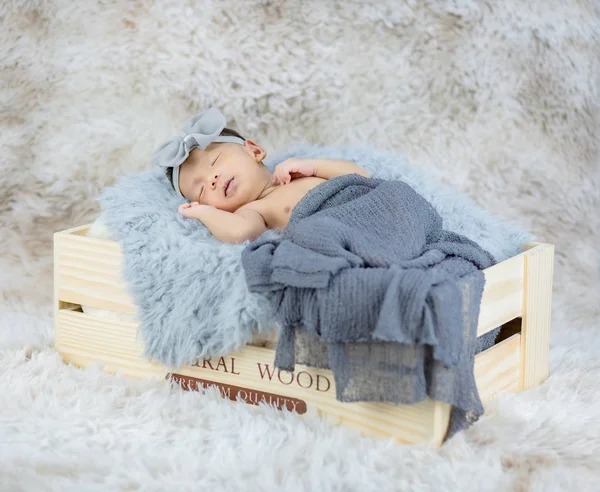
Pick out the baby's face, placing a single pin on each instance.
(224, 175)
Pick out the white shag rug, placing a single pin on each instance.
(499, 99)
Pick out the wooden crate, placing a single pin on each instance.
(88, 272)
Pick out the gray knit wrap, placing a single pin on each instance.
(366, 282)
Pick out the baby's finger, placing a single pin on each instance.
(188, 212)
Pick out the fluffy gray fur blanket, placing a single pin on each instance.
(364, 262)
(190, 289)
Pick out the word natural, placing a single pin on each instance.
(234, 393)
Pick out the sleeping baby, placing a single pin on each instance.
(229, 189)
(363, 264)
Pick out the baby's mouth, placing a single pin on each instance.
(226, 187)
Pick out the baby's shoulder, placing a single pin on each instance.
(269, 204)
(258, 205)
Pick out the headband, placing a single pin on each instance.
(200, 131)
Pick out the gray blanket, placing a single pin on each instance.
(366, 282)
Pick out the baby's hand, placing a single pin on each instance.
(293, 168)
(193, 210)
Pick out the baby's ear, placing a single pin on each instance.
(257, 151)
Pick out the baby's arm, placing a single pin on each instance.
(321, 168)
(331, 168)
(237, 227)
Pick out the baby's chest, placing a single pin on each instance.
(282, 201)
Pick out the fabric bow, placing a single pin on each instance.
(200, 131)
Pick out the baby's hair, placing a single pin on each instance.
(226, 132)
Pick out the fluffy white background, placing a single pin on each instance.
(499, 99)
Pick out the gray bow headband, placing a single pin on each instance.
(200, 131)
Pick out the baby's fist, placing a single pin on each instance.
(293, 168)
(193, 210)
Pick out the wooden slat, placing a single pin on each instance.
(441, 421)
(78, 231)
(498, 369)
(504, 293)
(90, 275)
(502, 298)
(535, 342)
(83, 339)
(88, 272)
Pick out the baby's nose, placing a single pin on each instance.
(214, 180)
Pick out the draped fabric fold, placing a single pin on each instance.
(365, 281)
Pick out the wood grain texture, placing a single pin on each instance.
(502, 298)
(500, 373)
(89, 272)
(537, 311)
(83, 339)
